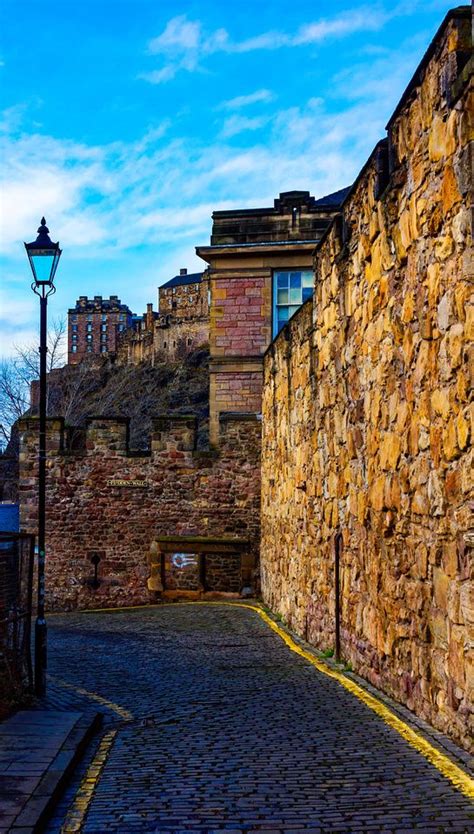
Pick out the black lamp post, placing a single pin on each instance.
(44, 258)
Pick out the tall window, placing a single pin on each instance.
(291, 288)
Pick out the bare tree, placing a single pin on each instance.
(18, 372)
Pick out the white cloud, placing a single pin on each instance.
(184, 43)
(179, 33)
(244, 101)
(237, 124)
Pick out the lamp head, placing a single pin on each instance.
(43, 256)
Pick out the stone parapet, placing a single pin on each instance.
(107, 505)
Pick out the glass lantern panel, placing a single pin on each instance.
(43, 263)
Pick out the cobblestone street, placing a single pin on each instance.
(212, 724)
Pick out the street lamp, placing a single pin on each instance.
(43, 256)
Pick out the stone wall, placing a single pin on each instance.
(175, 339)
(367, 416)
(108, 503)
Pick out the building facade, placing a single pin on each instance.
(260, 271)
(94, 326)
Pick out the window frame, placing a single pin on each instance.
(275, 305)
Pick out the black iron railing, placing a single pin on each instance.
(16, 581)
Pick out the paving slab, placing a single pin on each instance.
(38, 751)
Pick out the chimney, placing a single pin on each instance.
(149, 317)
(183, 271)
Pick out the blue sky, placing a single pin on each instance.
(127, 122)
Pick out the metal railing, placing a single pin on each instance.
(16, 585)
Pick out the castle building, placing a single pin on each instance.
(94, 325)
(260, 272)
(184, 296)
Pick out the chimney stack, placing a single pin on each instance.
(183, 271)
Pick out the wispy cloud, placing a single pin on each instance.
(244, 101)
(156, 194)
(118, 196)
(238, 124)
(184, 43)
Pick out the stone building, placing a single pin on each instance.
(183, 323)
(260, 271)
(180, 326)
(94, 325)
(135, 344)
(184, 297)
(367, 459)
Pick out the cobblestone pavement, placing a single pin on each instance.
(223, 728)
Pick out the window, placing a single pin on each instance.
(89, 337)
(74, 337)
(121, 327)
(103, 337)
(103, 348)
(103, 327)
(74, 349)
(89, 348)
(89, 317)
(74, 328)
(89, 328)
(74, 317)
(104, 317)
(290, 290)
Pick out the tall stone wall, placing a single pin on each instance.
(367, 413)
(105, 500)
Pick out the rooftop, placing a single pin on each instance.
(182, 280)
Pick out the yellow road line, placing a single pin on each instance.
(461, 780)
(76, 814)
(121, 711)
(458, 777)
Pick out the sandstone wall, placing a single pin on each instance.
(180, 493)
(367, 412)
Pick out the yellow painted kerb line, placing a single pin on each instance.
(121, 711)
(76, 815)
(461, 780)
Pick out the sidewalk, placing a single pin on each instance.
(38, 751)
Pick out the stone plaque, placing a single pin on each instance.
(120, 483)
